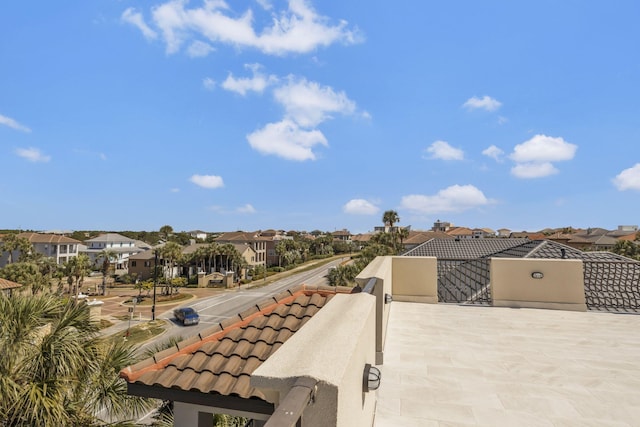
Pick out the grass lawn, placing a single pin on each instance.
(142, 332)
(147, 300)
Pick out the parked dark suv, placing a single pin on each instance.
(186, 316)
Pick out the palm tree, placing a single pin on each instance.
(81, 267)
(228, 251)
(171, 253)
(212, 251)
(25, 273)
(107, 256)
(390, 217)
(60, 371)
(402, 234)
(11, 243)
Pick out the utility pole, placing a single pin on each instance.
(155, 283)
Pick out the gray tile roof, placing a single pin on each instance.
(610, 280)
(464, 249)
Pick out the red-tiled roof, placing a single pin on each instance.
(8, 284)
(221, 359)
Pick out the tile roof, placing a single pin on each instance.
(464, 248)
(417, 237)
(46, 238)
(464, 270)
(111, 237)
(8, 284)
(221, 359)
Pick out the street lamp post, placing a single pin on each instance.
(155, 282)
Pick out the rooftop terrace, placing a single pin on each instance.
(451, 365)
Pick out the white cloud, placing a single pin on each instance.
(265, 4)
(502, 120)
(257, 83)
(456, 198)
(134, 18)
(299, 29)
(628, 179)
(199, 49)
(32, 154)
(287, 140)
(533, 170)
(443, 151)
(360, 207)
(485, 103)
(8, 121)
(246, 209)
(208, 83)
(494, 152)
(309, 104)
(207, 181)
(543, 148)
(534, 157)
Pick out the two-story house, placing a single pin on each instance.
(257, 242)
(122, 247)
(60, 248)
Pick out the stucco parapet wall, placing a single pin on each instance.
(339, 339)
(415, 279)
(379, 267)
(538, 283)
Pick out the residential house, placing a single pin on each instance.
(481, 233)
(361, 239)
(141, 265)
(343, 235)
(198, 234)
(255, 240)
(60, 248)
(572, 240)
(602, 243)
(123, 247)
(504, 232)
(461, 233)
(441, 226)
(624, 231)
(388, 229)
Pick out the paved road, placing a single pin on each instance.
(217, 308)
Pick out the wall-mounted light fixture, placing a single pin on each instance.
(371, 378)
(537, 275)
(388, 298)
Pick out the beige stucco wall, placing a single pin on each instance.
(380, 269)
(415, 279)
(333, 348)
(561, 287)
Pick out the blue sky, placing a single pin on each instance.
(214, 115)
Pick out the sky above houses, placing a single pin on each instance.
(246, 115)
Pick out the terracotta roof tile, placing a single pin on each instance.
(221, 359)
(8, 284)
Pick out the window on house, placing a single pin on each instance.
(133, 263)
(147, 263)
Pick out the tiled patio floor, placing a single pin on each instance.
(449, 365)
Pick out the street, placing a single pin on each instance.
(214, 309)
